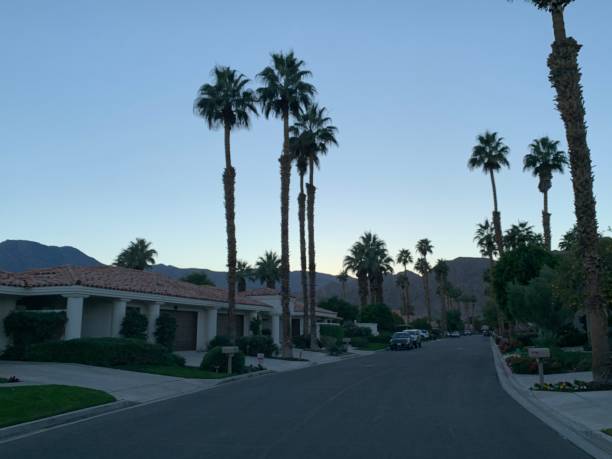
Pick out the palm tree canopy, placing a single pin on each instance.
(138, 255)
(490, 154)
(424, 247)
(369, 255)
(520, 235)
(422, 266)
(485, 239)
(549, 5)
(342, 276)
(314, 129)
(267, 268)
(198, 278)
(404, 257)
(284, 89)
(244, 270)
(402, 280)
(441, 271)
(226, 102)
(544, 158)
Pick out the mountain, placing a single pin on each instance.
(23, 255)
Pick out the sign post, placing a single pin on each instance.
(230, 351)
(539, 353)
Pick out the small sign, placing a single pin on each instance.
(229, 349)
(260, 358)
(538, 352)
(346, 340)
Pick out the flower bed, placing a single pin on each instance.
(576, 386)
(560, 362)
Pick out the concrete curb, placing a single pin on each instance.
(9, 433)
(595, 443)
(254, 374)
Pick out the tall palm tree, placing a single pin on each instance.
(343, 279)
(138, 255)
(441, 272)
(227, 104)
(244, 273)
(521, 234)
(284, 93)
(314, 126)
(485, 239)
(490, 155)
(543, 159)
(356, 262)
(404, 258)
(299, 144)
(267, 269)
(403, 283)
(424, 247)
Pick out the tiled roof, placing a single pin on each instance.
(299, 307)
(263, 291)
(115, 278)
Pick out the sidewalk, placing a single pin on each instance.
(577, 416)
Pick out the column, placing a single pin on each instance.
(211, 324)
(152, 315)
(119, 307)
(74, 313)
(276, 329)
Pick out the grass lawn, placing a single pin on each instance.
(373, 347)
(169, 370)
(607, 431)
(28, 403)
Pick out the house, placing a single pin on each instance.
(95, 300)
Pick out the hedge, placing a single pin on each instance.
(134, 325)
(28, 327)
(105, 352)
(253, 345)
(334, 331)
(216, 360)
(165, 330)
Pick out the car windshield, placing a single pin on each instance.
(400, 335)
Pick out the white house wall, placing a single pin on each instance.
(97, 318)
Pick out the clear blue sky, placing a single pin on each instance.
(99, 144)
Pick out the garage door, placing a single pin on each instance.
(186, 330)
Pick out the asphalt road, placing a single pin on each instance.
(442, 401)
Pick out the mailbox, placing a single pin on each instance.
(538, 352)
(229, 349)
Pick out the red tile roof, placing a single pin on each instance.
(115, 278)
(263, 291)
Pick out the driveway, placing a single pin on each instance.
(123, 385)
(442, 401)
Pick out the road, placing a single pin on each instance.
(442, 401)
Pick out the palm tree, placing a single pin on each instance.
(441, 272)
(520, 235)
(244, 273)
(485, 239)
(198, 278)
(423, 248)
(138, 255)
(267, 269)
(403, 283)
(356, 262)
(404, 258)
(227, 104)
(343, 279)
(314, 126)
(490, 155)
(284, 93)
(543, 160)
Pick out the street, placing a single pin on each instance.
(442, 401)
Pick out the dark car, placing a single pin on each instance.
(401, 340)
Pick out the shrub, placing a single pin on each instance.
(134, 325)
(359, 341)
(332, 345)
(420, 324)
(165, 330)
(334, 331)
(344, 309)
(560, 362)
(569, 336)
(253, 345)
(216, 360)
(379, 314)
(255, 325)
(381, 338)
(27, 327)
(219, 341)
(105, 352)
(266, 332)
(352, 330)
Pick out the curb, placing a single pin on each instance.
(254, 374)
(592, 442)
(9, 433)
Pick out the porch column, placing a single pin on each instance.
(211, 324)
(276, 329)
(74, 313)
(119, 307)
(152, 315)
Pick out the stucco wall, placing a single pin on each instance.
(97, 318)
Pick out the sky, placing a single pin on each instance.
(99, 143)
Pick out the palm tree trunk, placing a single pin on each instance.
(546, 222)
(285, 171)
(304, 273)
(312, 266)
(565, 78)
(362, 283)
(496, 217)
(427, 296)
(229, 181)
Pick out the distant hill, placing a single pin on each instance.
(23, 255)
(464, 272)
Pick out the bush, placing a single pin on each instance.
(134, 325)
(382, 338)
(219, 341)
(266, 332)
(253, 345)
(359, 341)
(165, 330)
(560, 362)
(344, 309)
(334, 331)
(105, 352)
(255, 325)
(27, 327)
(569, 336)
(216, 360)
(379, 314)
(301, 341)
(352, 330)
(332, 345)
(420, 324)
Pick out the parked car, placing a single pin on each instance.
(455, 334)
(424, 334)
(467, 332)
(415, 334)
(401, 340)
(486, 333)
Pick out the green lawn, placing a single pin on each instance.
(607, 431)
(179, 372)
(28, 403)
